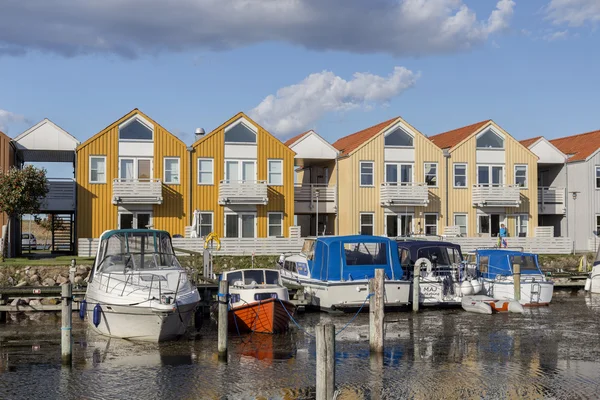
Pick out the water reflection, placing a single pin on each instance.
(551, 352)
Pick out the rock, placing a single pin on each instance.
(81, 270)
(27, 268)
(34, 278)
(61, 280)
(48, 282)
(19, 302)
(77, 280)
(48, 301)
(35, 302)
(10, 280)
(21, 283)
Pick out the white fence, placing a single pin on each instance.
(538, 245)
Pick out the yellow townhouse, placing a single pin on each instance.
(492, 181)
(243, 181)
(390, 181)
(132, 174)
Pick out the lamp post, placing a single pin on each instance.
(317, 223)
(574, 194)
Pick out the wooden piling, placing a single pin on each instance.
(517, 280)
(223, 298)
(376, 311)
(66, 329)
(325, 361)
(416, 279)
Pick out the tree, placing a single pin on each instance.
(21, 192)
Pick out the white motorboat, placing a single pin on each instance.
(334, 271)
(498, 267)
(487, 305)
(137, 288)
(592, 283)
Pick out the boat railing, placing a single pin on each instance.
(136, 286)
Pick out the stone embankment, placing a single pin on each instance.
(41, 276)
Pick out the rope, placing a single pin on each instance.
(293, 320)
(355, 315)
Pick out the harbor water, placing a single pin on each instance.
(551, 352)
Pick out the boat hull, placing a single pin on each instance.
(533, 293)
(486, 305)
(265, 316)
(592, 283)
(436, 293)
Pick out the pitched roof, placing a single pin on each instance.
(452, 138)
(294, 139)
(579, 146)
(349, 143)
(529, 142)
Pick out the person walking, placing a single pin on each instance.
(502, 236)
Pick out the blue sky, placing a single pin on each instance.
(532, 66)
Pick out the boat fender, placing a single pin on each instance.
(82, 309)
(97, 315)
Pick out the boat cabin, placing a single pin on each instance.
(252, 277)
(493, 263)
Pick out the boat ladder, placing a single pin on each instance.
(536, 290)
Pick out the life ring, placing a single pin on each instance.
(210, 237)
(427, 262)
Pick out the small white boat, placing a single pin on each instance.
(487, 305)
(137, 288)
(592, 283)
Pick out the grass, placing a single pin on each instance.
(45, 261)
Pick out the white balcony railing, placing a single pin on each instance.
(137, 191)
(496, 196)
(60, 196)
(243, 192)
(404, 194)
(551, 200)
(307, 195)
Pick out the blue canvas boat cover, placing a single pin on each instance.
(500, 262)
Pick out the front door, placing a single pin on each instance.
(398, 225)
(135, 220)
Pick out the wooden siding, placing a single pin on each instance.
(7, 160)
(281, 198)
(95, 211)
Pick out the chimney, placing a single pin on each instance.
(199, 133)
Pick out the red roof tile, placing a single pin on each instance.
(349, 143)
(291, 141)
(452, 138)
(579, 147)
(529, 142)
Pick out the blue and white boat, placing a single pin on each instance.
(497, 271)
(335, 271)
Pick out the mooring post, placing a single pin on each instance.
(223, 298)
(72, 271)
(376, 311)
(325, 361)
(416, 279)
(517, 280)
(66, 333)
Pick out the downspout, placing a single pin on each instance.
(190, 150)
(447, 157)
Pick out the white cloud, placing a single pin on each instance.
(297, 107)
(7, 118)
(397, 27)
(550, 37)
(574, 13)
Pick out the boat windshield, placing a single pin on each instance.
(442, 255)
(526, 262)
(139, 251)
(308, 248)
(253, 277)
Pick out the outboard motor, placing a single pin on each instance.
(281, 259)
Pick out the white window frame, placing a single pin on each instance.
(90, 174)
(399, 172)
(135, 218)
(240, 162)
(143, 121)
(360, 224)
(399, 222)
(489, 167)
(437, 224)
(436, 174)
(165, 159)
(526, 186)
(392, 130)
(248, 125)
(466, 222)
(360, 164)
(212, 221)
(136, 166)
(272, 161)
(239, 214)
(518, 224)
(212, 175)
(495, 132)
(269, 223)
(597, 177)
(454, 176)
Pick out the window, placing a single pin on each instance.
(135, 130)
(483, 263)
(431, 174)
(398, 137)
(135, 168)
(484, 224)
(598, 225)
(460, 220)
(597, 177)
(98, 169)
(460, 175)
(135, 220)
(521, 175)
(275, 172)
(490, 140)
(172, 170)
(206, 223)
(366, 173)
(367, 223)
(297, 179)
(365, 254)
(398, 225)
(240, 171)
(490, 175)
(240, 133)
(392, 176)
(242, 225)
(431, 224)
(274, 224)
(522, 224)
(205, 171)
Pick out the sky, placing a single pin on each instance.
(335, 66)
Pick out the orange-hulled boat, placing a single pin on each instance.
(259, 301)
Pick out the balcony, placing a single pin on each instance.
(60, 197)
(137, 191)
(551, 200)
(243, 192)
(307, 196)
(496, 196)
(404, 194)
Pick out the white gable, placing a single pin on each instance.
(313, 146)
(547, 153)
(46, 142)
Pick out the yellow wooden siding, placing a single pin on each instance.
(517, 154)
(173, 214)
(427, 152)
(7, 160)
